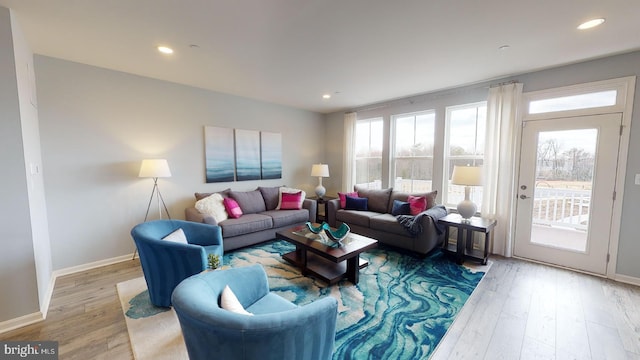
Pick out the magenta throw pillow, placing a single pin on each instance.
(343, 198)
(417, 204)
(291, 201)
(232, 207)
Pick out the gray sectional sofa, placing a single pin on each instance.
(378, 223)
(260, 220)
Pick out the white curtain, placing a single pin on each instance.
(348, 164)
(498, 201)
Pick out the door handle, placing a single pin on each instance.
(524, 197)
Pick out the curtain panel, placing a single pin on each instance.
(348, 165)
(499, 168)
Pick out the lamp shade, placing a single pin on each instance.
(154, 168)
(320, 170)
(467, 175)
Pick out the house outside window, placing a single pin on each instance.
(368, 153)
(412, 157)
(464, 145)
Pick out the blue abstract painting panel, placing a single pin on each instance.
(219, 155)
(247, 155)
(271, 144)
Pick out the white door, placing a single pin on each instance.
(566, 190)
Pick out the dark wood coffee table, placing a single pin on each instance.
(324, 260)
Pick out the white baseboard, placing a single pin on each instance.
(25, 320)
(92, 265)
(627, 279)
(20, 322)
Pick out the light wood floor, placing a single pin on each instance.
(520, 310)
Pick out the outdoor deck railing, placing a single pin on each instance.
(562, 207)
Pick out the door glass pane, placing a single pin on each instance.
(564, 180)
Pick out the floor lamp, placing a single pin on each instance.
(155, 168)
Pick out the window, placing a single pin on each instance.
(464, 145)
(413, 151)
(574, 102)
(368, 153)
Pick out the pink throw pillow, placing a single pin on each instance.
(417, 204)
(343, 198)
(291, 201)
(232, 207)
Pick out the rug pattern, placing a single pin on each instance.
(400, 309)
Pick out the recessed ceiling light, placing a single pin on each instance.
(165, 50)
(326, 96)
(591, 23)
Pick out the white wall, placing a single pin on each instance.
(97, 125)
(18, 280)
(601, 69)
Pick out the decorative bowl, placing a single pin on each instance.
(313, 229)
(338, 234)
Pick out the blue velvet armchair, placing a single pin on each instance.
(277, 330)
(166, 263)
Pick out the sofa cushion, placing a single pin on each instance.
(403, 196)
(270, 196)
(291, 201)
(343, 198)
(378, 199)
(355, 217)
(400, 208)
(200, 196)
(287, 217)
(230, 302)
(246, 224)
(417, 204)
(213, 205)
(290, 191)
(356, 203)
(232, 208)
(251, 202)
(387, 223)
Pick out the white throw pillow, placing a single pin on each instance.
(213, 205)
(290, 191)
(230, 302)
(177, 236)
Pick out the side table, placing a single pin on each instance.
(321, 208)
(464, 244)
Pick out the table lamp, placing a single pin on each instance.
(320, 170)
(468, 176)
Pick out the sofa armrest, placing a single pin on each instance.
(312, 206)
(430, 237)
(192, 214)
(332, 207)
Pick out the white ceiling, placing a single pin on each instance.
(291, 52)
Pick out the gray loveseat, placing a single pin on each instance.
(378, 223)
(260, 220)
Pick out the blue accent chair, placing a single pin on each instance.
(277, 330)
(166, 263)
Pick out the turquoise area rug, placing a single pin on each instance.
(400, 309)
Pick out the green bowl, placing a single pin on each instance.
(338, 234)
(313, 229)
